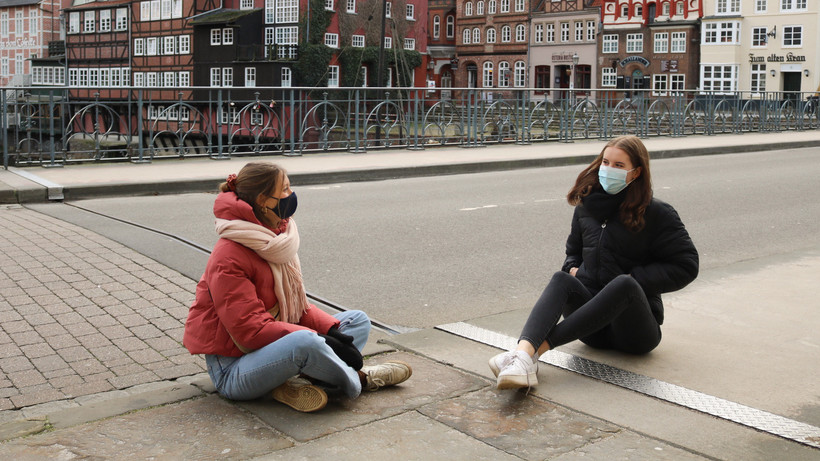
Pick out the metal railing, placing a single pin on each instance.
(48, 127)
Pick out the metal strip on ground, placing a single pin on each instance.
(711, 405)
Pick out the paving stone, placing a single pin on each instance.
(49, 363)
(26, 337)
(21, 379)
(34, 351)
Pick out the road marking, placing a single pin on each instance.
(688, 398)
(479, 208)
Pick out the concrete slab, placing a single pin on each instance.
(627, 446)
(205, 428)
(407, 437)
(430, 382)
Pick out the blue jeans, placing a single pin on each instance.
(302, 352)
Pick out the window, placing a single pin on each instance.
(758, 83)
(466, 37)
(185, 79)
(116, 79)
(564, 31)
(761, 6)
(145, 11)
(333, 76)
(678, 42)
(287, 77)
(505, 6)
(151, 46)
(363, 76)
(661, 42)
(169, 79)
(329, 5)
(288, 10)
(479, 8)
(436, 26)
(150, 79)
(679, 8)
(122, 19)
(358, 41)
(608, 77)
(270, 11)
(227, 36)
(165, 9)
(4, 66)
(487, 75)
(591, 31)
(169, 45)
(73, 24)
(677, 82)
(88, 23)
(227, 76)
(139, 47)
(491, 35)
(721, 32)
(503, 74)
(624, 10)
(105, 21)
(492, 6)
(638, 10)
(410, 43)
(388, 9)
(520, 33)
(32, 24)
(793, 5)
(520, 75)
(451, 26)
(184, 44)
(542, 78)
(759, 36)
(520, 5)
(250, 76)
(634, 43)
(216, 37)
(139, 79)
(468, 9)
(609, 43)
(19, 64)
(476, 35)
(660, 84)
(216, 76)
(579, 31)
(506, 34)
(18, 23)
(539, 33)
(388, 43)
(792, 36)
(728, 6)
(719, 78)
(411, 12)
(286, 40)
(666, 9)
(550, 33)
(351, 6)
(332, 40)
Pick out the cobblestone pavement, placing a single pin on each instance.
(81, 314)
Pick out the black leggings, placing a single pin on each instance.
(618, 317)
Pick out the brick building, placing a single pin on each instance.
(26, 29)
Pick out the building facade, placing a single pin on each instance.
(563, 46)
(26, 29)
(755, 46)
(651, 46)
(441, 46)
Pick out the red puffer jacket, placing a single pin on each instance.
(234, 296)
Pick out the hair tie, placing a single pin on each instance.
(231, 182)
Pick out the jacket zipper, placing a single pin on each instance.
(600, 248)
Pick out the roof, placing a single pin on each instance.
(93, 4)
(9, 3)
(221, 16)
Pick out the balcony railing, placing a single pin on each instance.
(44, 126)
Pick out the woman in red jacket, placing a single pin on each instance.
(251, 317)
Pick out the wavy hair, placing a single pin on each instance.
(638, 194)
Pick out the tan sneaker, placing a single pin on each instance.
(386, 374)
(301, 395)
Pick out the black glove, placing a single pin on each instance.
(335, 333)
(345, 351)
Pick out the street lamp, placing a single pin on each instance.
(572, 75)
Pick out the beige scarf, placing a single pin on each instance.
(280, 253)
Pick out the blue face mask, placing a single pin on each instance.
(286, 206)
(613, 180)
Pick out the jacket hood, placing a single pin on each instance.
(229, 206)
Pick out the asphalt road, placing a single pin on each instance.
(419, 252)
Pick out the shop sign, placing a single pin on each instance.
(564, 56)
(19, 44)
(669, 66)
(788, 57)
(638, 59)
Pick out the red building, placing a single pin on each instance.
(26, 29)
(441, 45)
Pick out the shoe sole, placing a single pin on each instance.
(516, 382)
(304, 398)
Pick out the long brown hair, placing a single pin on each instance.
(256, 178)
(639, 192)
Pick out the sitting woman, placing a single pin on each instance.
(251, 317)
(624, 249)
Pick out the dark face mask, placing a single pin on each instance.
(286, 206)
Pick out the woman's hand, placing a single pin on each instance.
(342, 345)
(573, 271)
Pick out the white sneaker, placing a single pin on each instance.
(386, 374)
(520, 372)
(498, 362)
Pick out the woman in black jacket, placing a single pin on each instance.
(625, 248)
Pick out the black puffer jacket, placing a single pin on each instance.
(661, 257)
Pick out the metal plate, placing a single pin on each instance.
(711, 405)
